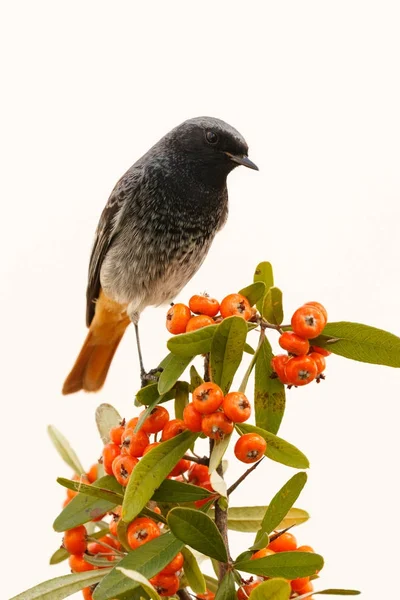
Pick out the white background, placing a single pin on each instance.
(314, 88)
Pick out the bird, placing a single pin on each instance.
(153, 235)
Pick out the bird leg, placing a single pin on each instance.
(145, 376)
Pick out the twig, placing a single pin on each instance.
(200, 461)
(245, 381)
(183, 595)
(243, 477)
(207, 367)
(221, 521)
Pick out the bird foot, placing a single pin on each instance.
(151, 376)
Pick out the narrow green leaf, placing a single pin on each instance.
(269, 394)
(248, 349)
(254, 292)
(149, 394)
(173, 369)
(274, 589)
(227, 351)
(212, 583)
(192, 343)
(272, 309)
(226, 589)
(264, 273)
(151, 471)
(195, 378)
(217, 453)
(334, 592)
(178, 491)
(193, 574)
(361, 342)
(197, 530)
(84, 508)
(90, 490)
(290, 565)
(62, 587)
(106, 418)
(249, 518)
(58, 556)
(277, 449)
(139, 578)
(148, 560)
(181, 398)
(281, 503)
(262, 541)
(64, 450)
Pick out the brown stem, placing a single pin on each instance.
(207, 367)
(200, 461)
(243, 477)
(183, 595)
(221, 521)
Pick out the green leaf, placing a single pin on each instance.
(139, 578)
(272, 309)
(277, 449)
(264, 273)
(149, 394)
(84, 508)
(226, 589)
(217, 453)
(334, 592)
(106, 418)
(198, 531)
(254, 292)
(178, 491)
(192, 343)
(148, 560)
(269, 394)
(90, 490)
(195, 378)
(274, 589)
(212, 583)
(61, 554)
(281, 503)
(62, 587)
(173, 369)
(65, 451)
(151, 471)
(193, 573)
(360, 342)
(248, 519)
(248, 349)
(290, 565)
(227, 351)
(181, 398)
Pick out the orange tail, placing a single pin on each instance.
(105, 333)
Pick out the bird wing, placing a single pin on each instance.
(106, 232)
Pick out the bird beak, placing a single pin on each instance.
(242, 160)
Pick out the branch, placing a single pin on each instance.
(243, 477)
(183, 595)
(200, 461)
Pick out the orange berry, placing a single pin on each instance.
(286, 542)
(131, 424)
(250, 447)
(110, 451)
(198, 474)
(165, 585)
(319, 361)
(115, 434)
(320, 307)
(181, 467)
(78, 563)
(141, 531)
(216, 425)
(305, 549)
(207, 486)
(92, 474)
(192, 418)
(244, 592)
(278, 364)
(172, 429)
(177, 318)
(236, 407)
(175, 565)
(306, 590)
(308, 322)
(75, 540)
(262, 553)
(236, 305)
(150, 447)
(87, 593)
(156, 420)
(300, 370)
(199, 322)
(135, 443)
(122, 468)
(320, 350)
(113, 525)
(207, 398)
(204, 305)
(293, 343)
(299, 584)
(207, 596)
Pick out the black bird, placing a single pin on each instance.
(154, 234)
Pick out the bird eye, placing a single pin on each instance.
(212, 137)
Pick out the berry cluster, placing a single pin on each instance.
(304, 362)
(284, 542)
(180, 318)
